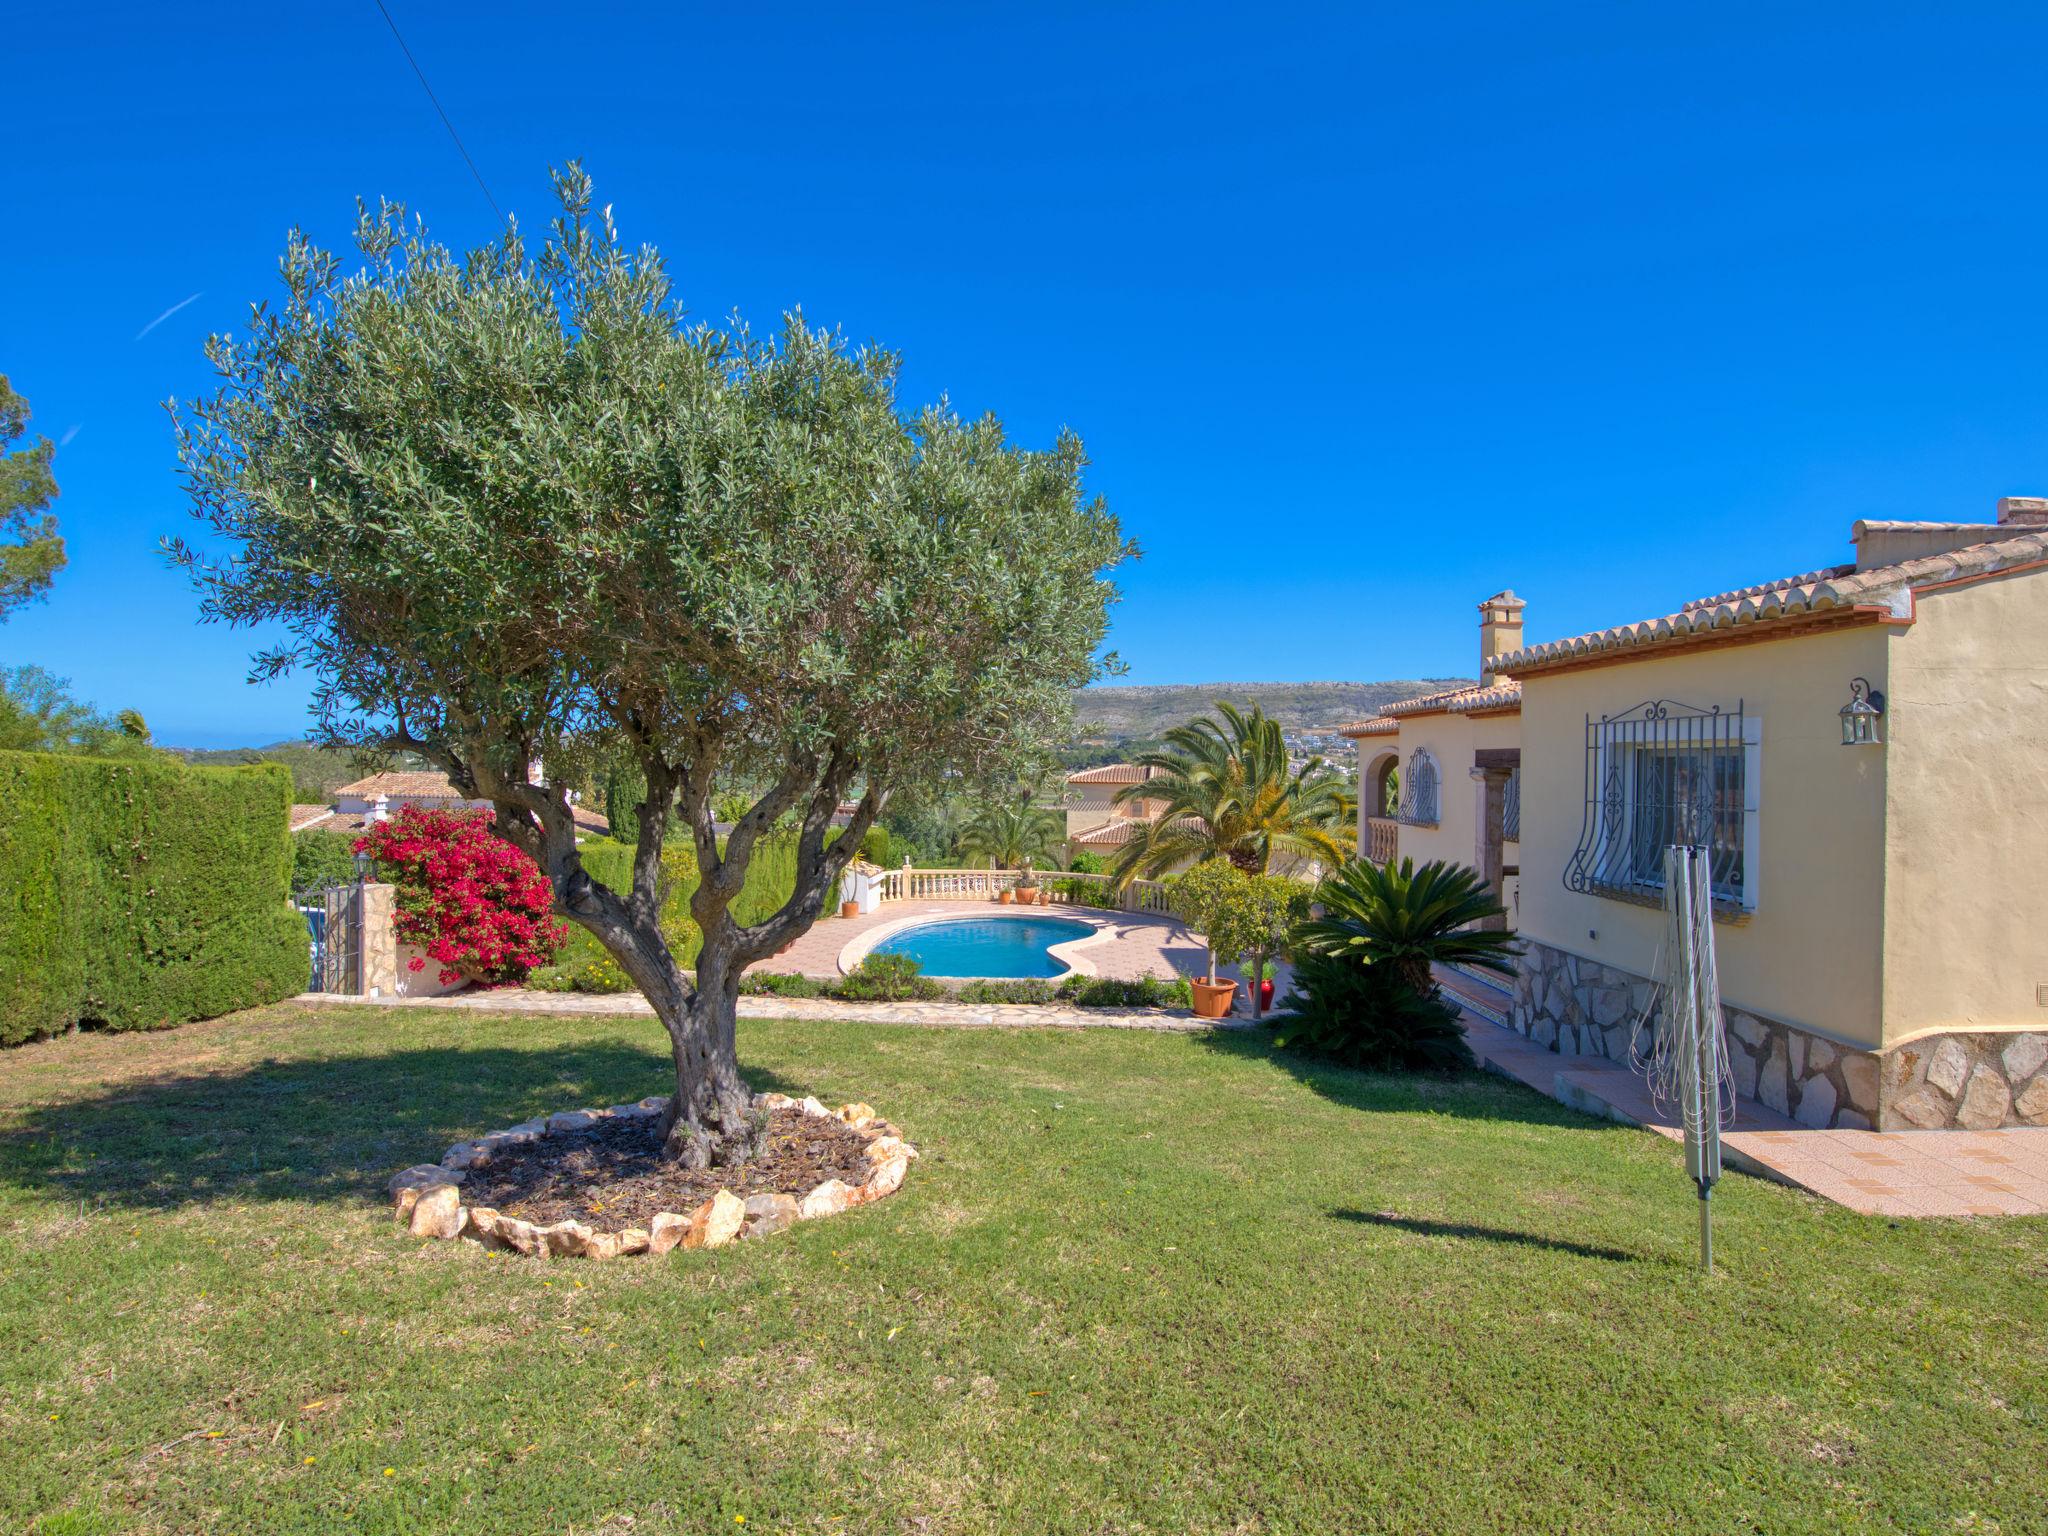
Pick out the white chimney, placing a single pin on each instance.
(2023, 511)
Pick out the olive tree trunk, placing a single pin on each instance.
(707, 1122)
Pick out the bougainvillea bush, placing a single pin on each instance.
(466, 897)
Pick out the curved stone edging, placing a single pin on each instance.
(427, 1198)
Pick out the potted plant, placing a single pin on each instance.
(849, 909)
(1210, 899)
(1027, 886)
(1272, 908)
(1005, 896)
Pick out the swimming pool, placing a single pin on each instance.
(986, 946)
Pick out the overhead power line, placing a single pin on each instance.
(445, 123)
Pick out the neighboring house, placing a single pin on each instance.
(1095, 824)
(381, 795)
(1439, 775)
(1864, 750)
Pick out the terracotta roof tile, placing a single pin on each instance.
(1828, 573)
(1111, 773)
(1474, 698)
(411, 785)
(1113, 833)
(1835, 589)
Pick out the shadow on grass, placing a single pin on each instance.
(1428, 1228)
(324, 1129)
(1473, 1095)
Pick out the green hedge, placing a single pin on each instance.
(141, 894)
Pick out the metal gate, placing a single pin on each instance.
(334, 931)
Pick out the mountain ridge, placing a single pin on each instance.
(1145, 709)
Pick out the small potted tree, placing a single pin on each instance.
(1213, 900)
(1027, 885)
(1273, 907)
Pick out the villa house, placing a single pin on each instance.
(381, 795)
(1864, 751)
(1095, 824)
(1439, 775)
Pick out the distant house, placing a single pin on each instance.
(1095, 824)
(381, 795)
(1863, 752)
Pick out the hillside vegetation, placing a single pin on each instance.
(1118, 712)
(316, 771)
(1108, 724)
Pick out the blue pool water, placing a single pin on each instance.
(985, 946)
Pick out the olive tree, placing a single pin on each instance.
(509, 508)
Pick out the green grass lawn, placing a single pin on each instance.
(1139, 1283)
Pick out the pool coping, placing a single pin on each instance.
(1067, 953)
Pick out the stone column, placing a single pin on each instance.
(1492, 838)
(379, 940)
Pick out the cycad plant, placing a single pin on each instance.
(1409, 919)
(1226, 790)
(1014, 834)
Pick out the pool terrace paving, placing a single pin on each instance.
(1137, 944)
(1133, 945)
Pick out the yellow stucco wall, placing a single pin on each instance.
(1453, 739)
(1811, 953)
(1456, 836)
(1966, 885)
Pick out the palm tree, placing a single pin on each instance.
(1228, 792)
(1013, 834)
(1409, 919)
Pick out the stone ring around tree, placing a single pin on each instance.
(549, 1188)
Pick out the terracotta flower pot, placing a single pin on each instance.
(849, 909)
(1005, 897)
(1212, 999)
(1027, 895)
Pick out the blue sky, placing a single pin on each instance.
(1363, 311)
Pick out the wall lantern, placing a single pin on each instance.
(362, 865)
(1861, 714)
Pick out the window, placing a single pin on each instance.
(1665, 773)
(1511, 807)
(1418, 789)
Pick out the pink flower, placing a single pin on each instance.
(467, 896)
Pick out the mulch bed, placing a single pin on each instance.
(613, 1176)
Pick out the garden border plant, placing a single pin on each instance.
(1365, 993)
(466, 897)
(142, 893)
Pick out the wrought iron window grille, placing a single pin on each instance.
(1663, 774)
(1511, 808)
(1419, 790)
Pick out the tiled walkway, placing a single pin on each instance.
(1880, 1173)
